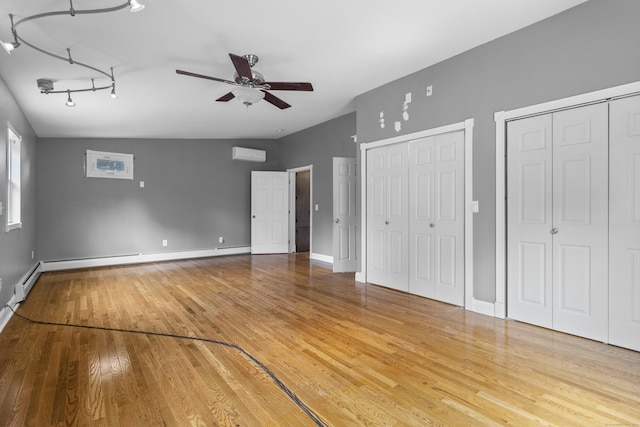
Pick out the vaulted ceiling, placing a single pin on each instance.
(344, 48)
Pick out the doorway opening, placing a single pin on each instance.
(303, 211)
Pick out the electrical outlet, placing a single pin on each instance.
(220, 239)
(164, 243)
(33, 254)
(429, 90)
(0, 285)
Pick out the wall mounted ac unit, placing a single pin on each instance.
(249, 154)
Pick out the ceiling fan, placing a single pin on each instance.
(250, 84)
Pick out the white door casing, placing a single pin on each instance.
(624, 217)
(345, 218)
(269, 212)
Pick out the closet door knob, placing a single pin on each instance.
(387, 222)
(554, 231)
(337, 220)
(432, 225)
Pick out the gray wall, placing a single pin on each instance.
(16, 246)
(318, 146)
(193, 193)
(587, 48)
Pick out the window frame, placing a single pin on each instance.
(14, 179)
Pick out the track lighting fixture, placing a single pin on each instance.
(45, 85)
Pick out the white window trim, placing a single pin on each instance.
(13, 137)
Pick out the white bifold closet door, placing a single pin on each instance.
(387, 216)
(624, 264)
(436, 217)
(557, 226)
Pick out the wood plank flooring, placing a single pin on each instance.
(356, 354)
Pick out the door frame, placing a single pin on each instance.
(501, 118)
(467, 126)
(292, 207)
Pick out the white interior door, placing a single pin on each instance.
(269, 212)
(580, 221)
(345, 219)
(557, 226)
(398, 217)
(377, 215)
(387, 216)
(436, 217)
(422, 221)
(449, 218)
(624, 211)
(529, 198)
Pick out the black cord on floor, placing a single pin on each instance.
(281, 385)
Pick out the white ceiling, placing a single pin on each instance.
(343, 47)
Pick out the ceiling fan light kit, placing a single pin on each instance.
(247, 95)
(46, 85)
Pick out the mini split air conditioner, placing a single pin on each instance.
(249, 154)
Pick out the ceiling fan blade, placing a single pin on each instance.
(227, 97)
(200, 76)
(290, 86)
(272, 99)
(242, 66)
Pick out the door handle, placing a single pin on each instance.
(387, 222)
(253, 216)
(337, 220)
(432, 225)
(554, 231)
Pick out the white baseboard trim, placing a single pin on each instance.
(482, 307)
(361, 277)
(141, 258)
(319, 257)
(6, 313)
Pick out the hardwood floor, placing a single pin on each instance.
(356, 354)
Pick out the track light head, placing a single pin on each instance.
(10, 46)
(134, 6)
(69, 102)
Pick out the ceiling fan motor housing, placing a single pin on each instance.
(256, 79)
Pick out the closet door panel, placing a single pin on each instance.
(580, 221)
(449, 208)
(421, 217)
(387, 216)
(624, 268)
(397, 223)
(529, 225)
(376, 215)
